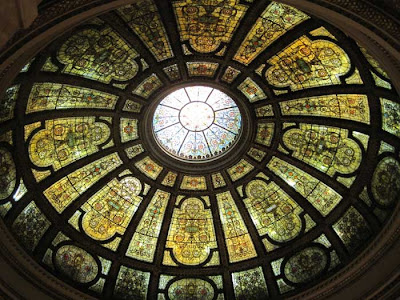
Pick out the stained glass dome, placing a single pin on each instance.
(199, 150)
(197, 123)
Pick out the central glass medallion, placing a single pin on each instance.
(196, 116)
(197, 123)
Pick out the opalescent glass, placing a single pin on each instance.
(197, 123)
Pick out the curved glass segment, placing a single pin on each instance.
(197, 123)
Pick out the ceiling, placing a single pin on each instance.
(311, 180)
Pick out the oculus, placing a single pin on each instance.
(197, 123)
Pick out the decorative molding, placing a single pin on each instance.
(31, 272)
(369, 257)
(368, 15)
(390, 290)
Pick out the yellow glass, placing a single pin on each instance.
(238, 240)
(207, 25)
(191, 234)
(110, 210)
(349, 107)
(98, 55)
(328, 149)
(306, 64)
(273, 211)
(48, 96)
(64, 141)
(144, 241)
(143, 18)
(275, 21)
(321, 196)
(66, 190)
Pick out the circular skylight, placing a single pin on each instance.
(197, 123)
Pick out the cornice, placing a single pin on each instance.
(390, 290)
(368, 15)
(375, 251)
(30, 271)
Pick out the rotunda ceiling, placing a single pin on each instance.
(199, 149)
